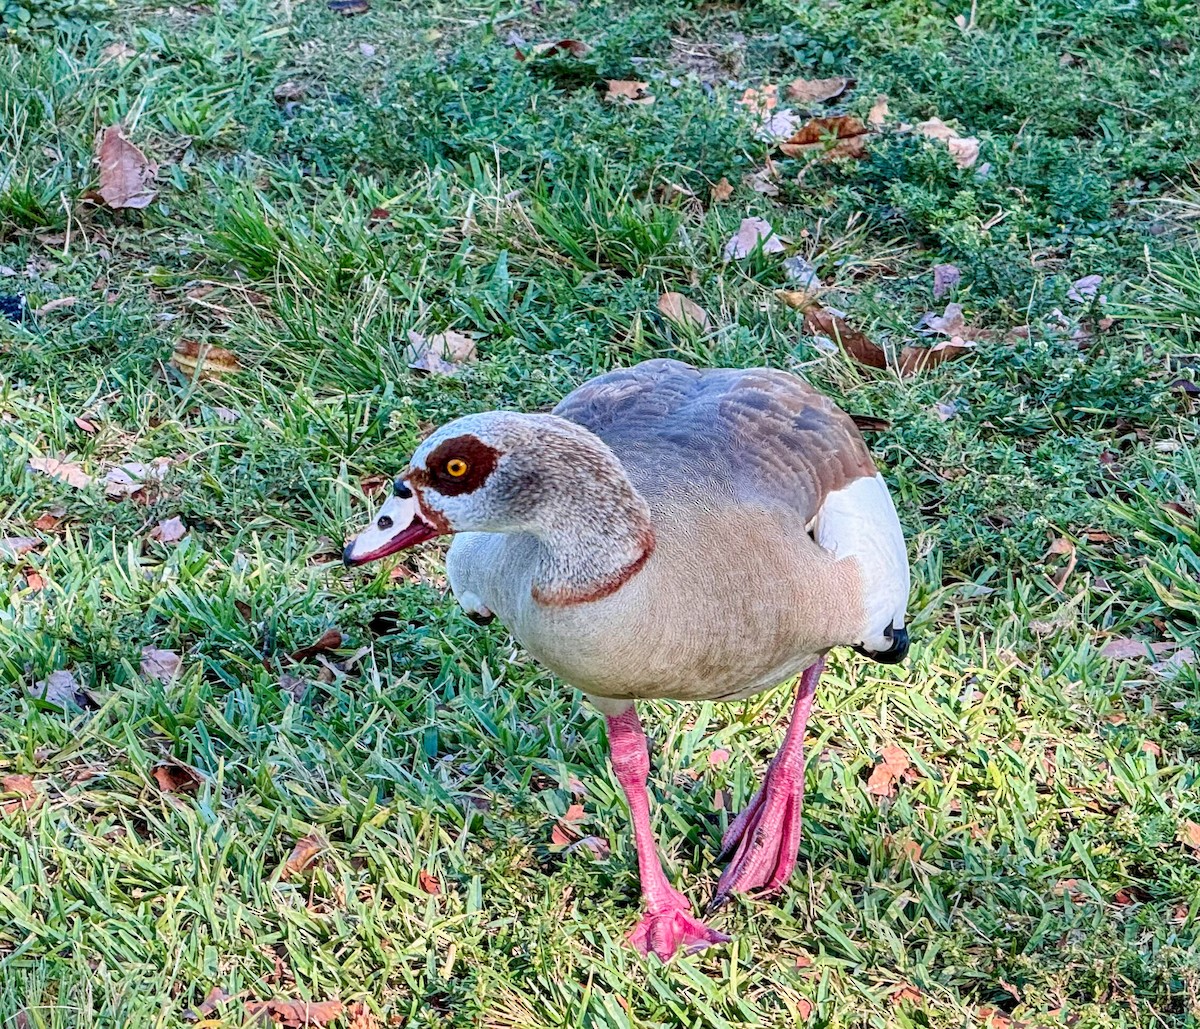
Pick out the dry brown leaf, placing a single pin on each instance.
(821, 321)
(119, 52)
(34, 582)
(125, 174)
(176, 777)
(1151, 748)
(212, 1000)
(65, 471)
(562, 835)
(1189, 834)
(945, 278)
(1062, 548)
(126, 479)
(294, 1014)
(893, 763)
(964, 149)
(60, 688)
(429, 882)
(906, 993)
(683, 312)
(289, 90)
(815, 91)
(571, 47)
(22, 788)
(12, 547)
(361, 1016)
(574, 813)
(1122, 648)
(169, 530)
(869, 423)
(627, 91)
(752, 233)
(804, 1008)
(441, 353)
(49, 520)
(800, 299)
(56, 305)
(304, 853)
(162, 665)
(950, 323)
(919, 359)
(993, 1017)
(204, 360)
(841, 135)
(721, 191)
(762, 100)
(878, 115)
(763, 180)
(83, 425)
(330, 640)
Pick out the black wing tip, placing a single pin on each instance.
(896, 653)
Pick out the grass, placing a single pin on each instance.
(1030, 865)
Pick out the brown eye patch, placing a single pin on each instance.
(460, 465)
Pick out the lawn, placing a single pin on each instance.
(328, 183)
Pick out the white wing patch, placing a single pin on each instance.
(859, 521)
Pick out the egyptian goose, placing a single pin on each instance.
(668, 531)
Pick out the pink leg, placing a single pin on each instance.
(668, 924)
(765, 837)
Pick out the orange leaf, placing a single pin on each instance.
(304, 853)
(574, 813)
(215, 997)
(893, 764)
(993, 1017)
(842, 135)
(1190, 834)
(429, 882)
(295, 1013)
(176, 777)
(26, 793)
(907, 994)
(820, 321)
(804, 1008)
(760, 100)
(627, 91)
(125, 174)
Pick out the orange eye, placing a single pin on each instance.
(456, 468)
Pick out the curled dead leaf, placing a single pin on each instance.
(162, 665)
(823, 322)
(893, 763)
(22, 793)
(1083, 290)
(815, 91)
(569, 47)
(295, 1014)
(329, 640)
(1122, 648)
(842, 135)
(212, 1000)
(627, 91)
(919, 359)
(683, 312)
(752, 234)
(56, 305)
(964, 149)
(176, 777)
(125, 173)
(597, 846)
(869, 423)
(429, 882)
(69, 472)
(126, 479)
(304, 853)
(169, 530)
(203, 360)
(878, 115)
(721, 191)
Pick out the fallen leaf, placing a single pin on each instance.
(442, 353)
(815, 91)
(1122, 898)
(869, 423)
(1180, 913)
(919, 359)
(12, 547)
(763, 180)
(841, 135)
(429, 882)
(1151, 748)
(906, 993)
(212, 1000)
(176, 777)
(1116, 718)
(778, 126)
(361, 1016)
(911, 850)
(1062, 548)
(800, 299)
(1122, 648)
(683, 312)
(83, 425)
(802, 273)
(162, 665)
(821, 321)
(50, 520)
(227, 414)
(571, 47)
(125, 174)
(170, 530)
(803, 961)
(762, 100)
(562, 835)
(752, 234)
(598, 847)
(721, 191)
(945, 278)
(993, 1017)
(945, 411)
(330, 640)
(575, 813)
(1083, 290)
(294, 686)
(878, 114)
(126, 479)
(964, 149)
(893, 763)
(203, 360)
(61, 689)
(27, 795)
(950, 323)
(627, 91)
(718, 757)
(34, 582)
(289, 91)
(304, 853)
(55, 305)
(293, 1014)
(65, 471)
(804, 1008)
(119, 52)
(1174, 666)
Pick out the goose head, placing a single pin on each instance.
(505, 472)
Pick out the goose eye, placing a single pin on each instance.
(456, 468)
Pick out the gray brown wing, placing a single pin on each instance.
(759, 435)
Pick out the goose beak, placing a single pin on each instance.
(397, 526)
